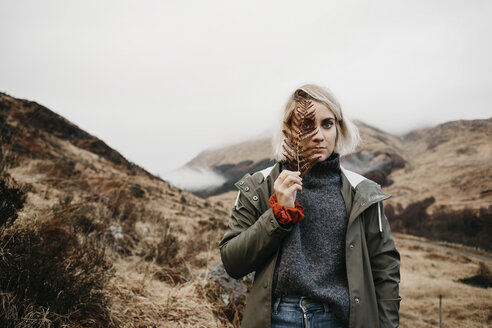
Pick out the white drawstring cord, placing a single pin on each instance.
(379, 219)
(237, 200)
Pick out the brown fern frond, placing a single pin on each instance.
(298, 132)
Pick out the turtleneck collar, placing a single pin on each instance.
(332, 163)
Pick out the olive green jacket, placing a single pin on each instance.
(254, 238)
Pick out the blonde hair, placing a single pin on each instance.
(347, 132)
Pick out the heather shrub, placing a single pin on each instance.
(5, 132)
(12, 198)
(137, 191)
(164, 250)
(50, 276)
(64, 167)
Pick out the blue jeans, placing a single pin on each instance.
(290, 312)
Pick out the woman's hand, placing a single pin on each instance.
(286, 186)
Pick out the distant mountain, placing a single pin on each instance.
(443, 171)
(254, 150)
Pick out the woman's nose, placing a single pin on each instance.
(318, 136)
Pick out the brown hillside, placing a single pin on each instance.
(450, 162)
(34, 121)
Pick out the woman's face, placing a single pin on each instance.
(325, 138)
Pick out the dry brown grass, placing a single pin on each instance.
(140, 300)
(426, 273)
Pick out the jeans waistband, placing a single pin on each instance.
(304, 303)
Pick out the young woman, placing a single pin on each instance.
(320, 245)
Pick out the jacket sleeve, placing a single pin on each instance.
(251, 239)
(385, 266)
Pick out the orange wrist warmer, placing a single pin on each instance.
(286, 215)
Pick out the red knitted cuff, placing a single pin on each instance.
(286, 215)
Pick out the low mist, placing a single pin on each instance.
(194, 178)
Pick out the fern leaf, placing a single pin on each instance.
(300, 157)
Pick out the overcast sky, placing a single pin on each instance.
(161, 81)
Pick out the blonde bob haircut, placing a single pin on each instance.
(347, 133)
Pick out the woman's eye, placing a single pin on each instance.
(307, 125)
(327, 124)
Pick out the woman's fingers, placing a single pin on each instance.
(281, 185)
(286, 175)
(290, 180)
(294, 187)
(287, 183)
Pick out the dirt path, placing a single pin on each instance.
(448, 248)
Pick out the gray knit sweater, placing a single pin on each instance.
(312, 258)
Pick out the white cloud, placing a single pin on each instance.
(194, 179)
